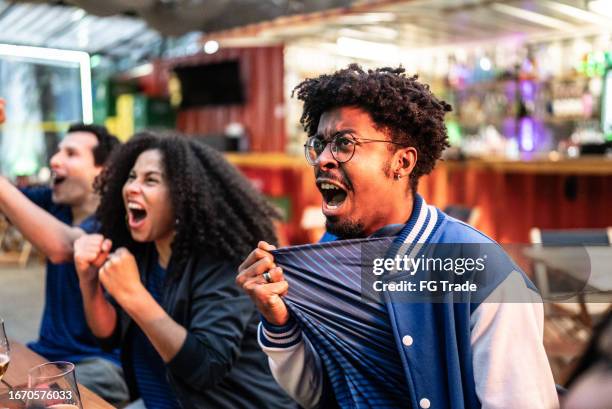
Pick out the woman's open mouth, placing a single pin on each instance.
(58, 180)
(136, 215)
(333, 195)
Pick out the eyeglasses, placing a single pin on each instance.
(342, 147)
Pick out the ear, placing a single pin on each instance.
(403, 162)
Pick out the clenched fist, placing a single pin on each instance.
(90, 253)
(264, 283)
(120, 277)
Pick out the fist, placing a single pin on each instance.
(120, 277)
(264, 283)
(90, 253)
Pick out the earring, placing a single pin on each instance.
(397, 176)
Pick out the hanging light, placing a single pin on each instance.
(603, 7)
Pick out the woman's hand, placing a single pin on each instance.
(90, 253)
(120, 277)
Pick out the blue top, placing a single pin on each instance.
(64, 334)
(356, 345)
(149, 368)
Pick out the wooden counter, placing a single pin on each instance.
(588, 165)
(22, 359)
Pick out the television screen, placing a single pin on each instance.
(210, 84)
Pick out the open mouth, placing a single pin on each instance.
(58, 180)
(137, 213)
(333, 195)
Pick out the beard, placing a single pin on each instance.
(346, 229)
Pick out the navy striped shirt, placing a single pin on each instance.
(353, 338)
(149, 368)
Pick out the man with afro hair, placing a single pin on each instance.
(371, 135)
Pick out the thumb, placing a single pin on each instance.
(101, 259)
(106, 246)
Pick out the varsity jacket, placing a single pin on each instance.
(487, 352)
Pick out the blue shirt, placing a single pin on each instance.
(149, 368)
(355, 344)
(64, 334)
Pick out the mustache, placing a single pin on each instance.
(340, 178)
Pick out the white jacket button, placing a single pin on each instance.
(407, 340)
(425, 403)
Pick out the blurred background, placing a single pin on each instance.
(530, 83)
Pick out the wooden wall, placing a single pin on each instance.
(263, 115)
(512, 202)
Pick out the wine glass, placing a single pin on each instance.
(53, 385)
(5, 349)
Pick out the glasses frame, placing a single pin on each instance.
(333, 140)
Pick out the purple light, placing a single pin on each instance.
(528, 91)
(526, 134)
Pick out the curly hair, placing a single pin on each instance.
(398, 104)
(218, 211)
(107, 142)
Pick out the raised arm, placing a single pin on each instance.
(52, 237)
(90, 253)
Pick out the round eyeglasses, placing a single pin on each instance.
(342, 147)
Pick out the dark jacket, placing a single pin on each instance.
(220, 365)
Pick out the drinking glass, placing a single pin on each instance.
(53, 386)
(5, 349)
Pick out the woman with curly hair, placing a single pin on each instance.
(176, 218)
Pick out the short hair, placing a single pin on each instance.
(107, 142)
(398, 104)
(218, 211)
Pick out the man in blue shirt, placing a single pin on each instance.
(371, 136)
(52, 218)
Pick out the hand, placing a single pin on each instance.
(2, 114)
(120, 277)
(90, 253)
(266, 296)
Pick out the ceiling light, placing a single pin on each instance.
(367, 50)
(211, 47)
(578, 13)
(603, 7)
(485, 64)
(77, 14)
(533, 17)
(366, 18)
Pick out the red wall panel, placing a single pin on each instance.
(262, 115)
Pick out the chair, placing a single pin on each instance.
(14, 248)
(572, 237)
(569, 324)
(565, 238)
